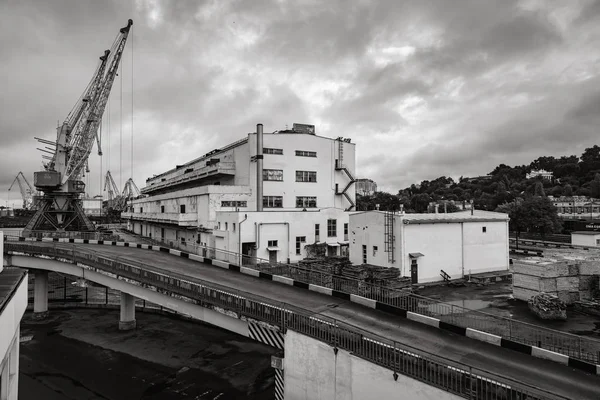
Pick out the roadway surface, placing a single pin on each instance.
(547, 375)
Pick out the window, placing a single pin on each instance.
(299, 241)
(219, 225)
(306, 176)
(306, 202)
(346, 231)
(484, 229)
(272, 175)
(374, 251)
(317, 232)
(141, 210)
(272, 243)
(364, 249)
(233, 226)
(162, 209)
(597, 242)
(273, 201)
(229, 203)
(303, 153)
(182, 208)
(331, 228)
(226, 227)
(272, 151)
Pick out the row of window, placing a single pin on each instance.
(301, 201)
(277, 175)
(234, 203)
(299, 153)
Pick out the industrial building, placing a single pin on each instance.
(365, 187)
(13, 302)
(266, 195)
(431, 247)
(586, 238)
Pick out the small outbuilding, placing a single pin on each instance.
(585, 238)
(431, 247)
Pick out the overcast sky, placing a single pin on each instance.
(424, 88)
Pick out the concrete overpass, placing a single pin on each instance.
(344, 336)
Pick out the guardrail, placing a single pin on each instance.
(457, 378)
(533, 242)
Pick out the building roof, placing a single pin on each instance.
(592, 233)
(461, 216)
(10, 278)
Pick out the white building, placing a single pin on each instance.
(215, 200)
(365, 187)
(540, 172)
(423, 245)
(585, 238)
(13, 302)
(92, 206)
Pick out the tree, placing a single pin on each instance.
(557, 191)
(590, 159)
(568, 190)
(595, 187)
(420, 202)
(539, 189)
(534, 214)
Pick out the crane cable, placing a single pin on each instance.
(121, 130)
(131, 32)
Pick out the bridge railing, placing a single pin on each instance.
(448, 375)
(583, 348)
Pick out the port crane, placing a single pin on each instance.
(59, 208)
(118, 200)
(26, 189)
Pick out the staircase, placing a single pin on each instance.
(339, 166)
(445, 276)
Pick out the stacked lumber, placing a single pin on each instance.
(548, 306)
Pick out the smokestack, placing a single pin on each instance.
(259, 167)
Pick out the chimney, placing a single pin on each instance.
(472, 207)
(401, 208)
(259, 167)
(437, 206)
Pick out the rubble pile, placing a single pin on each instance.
(548, 306)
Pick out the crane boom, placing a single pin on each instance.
(60, 208)
(25, 188)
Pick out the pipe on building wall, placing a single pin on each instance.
(287, 224)
(240, 238)
(259, 167)
(462, 248)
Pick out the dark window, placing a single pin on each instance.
(374, 251)
(272, 243)
(306, 202)
(226, 227)
(233, 226)
(306, 176)
(303, 153)
(317, 232)
(331, 228)
(299, 241)
(229, 203)
(272, 175)
(346, 231)
(364, 249)
(484, 229)
(182, 208)
(273, 201)
(141, 209)
(162, 209)
(272, 151)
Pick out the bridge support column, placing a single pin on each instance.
(40, 295)
(127, 321)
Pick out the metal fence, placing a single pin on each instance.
(453, 377)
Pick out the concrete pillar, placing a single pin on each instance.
(40, 295)
(127, 321)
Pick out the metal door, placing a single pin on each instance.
(273, 256)
(414, 271)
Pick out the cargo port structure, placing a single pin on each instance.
(59, 208)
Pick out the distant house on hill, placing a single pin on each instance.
(540, 172)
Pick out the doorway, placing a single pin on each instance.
(273, 256)
(414, 271)
(248, 253)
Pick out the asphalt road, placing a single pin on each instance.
(81, 354)
(550, 376)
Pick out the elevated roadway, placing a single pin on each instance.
(546, 375)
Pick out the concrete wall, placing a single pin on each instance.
(367, 229)
(1, 247)
(314, 372)
(10, 320)
(585, 240)
(273, 226)
(487, 251)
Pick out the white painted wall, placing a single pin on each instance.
(459, 246)
(585, 240)
(1, 248)
(10, 320)
(313, 372)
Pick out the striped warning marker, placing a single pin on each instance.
(265, 335)
(279, 384)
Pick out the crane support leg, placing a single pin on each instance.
(58, 213)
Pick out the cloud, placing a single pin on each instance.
(424, 88)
